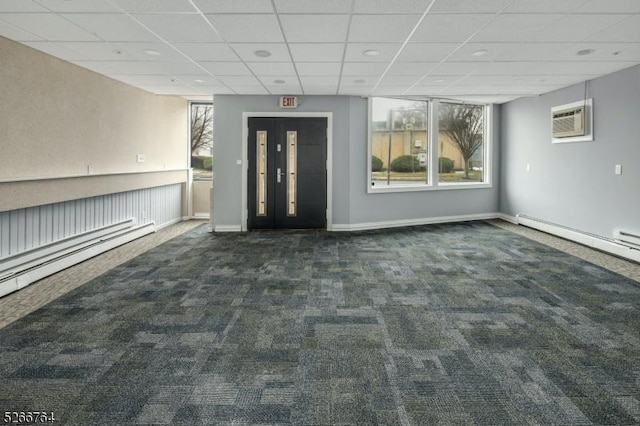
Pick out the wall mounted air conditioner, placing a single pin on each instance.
(572, 122)
(569, 122)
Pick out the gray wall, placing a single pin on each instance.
(352, 205)
(574, 184)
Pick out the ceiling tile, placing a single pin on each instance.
(579, 67)
(104, 68)
(131, 67)
(358, 81)
(508, 51)
(381, 28)
(364, 68)
(279, 52)
(540, 27)
(250, 90)
(239, 80)
(317, 52)
(98, 51)
(601, 52)
(320, 90)
(180, 28)
(91, 6)
(624, 31)
(56, 49)
(355, 90)
(234, 6)
(137, 51)
(200, 80)
(270, 81)
(426, 52)
(155, 6)
(411, 68)
(469, 6)
(438, 81)
(544, 6)
(389, 90)
(610, 6)
(315, 28)
(319, 80)
(575, 28)
(399, 80)
(284, 89)
(456, 68)
(313, 6)
(110, 27)
(148, 80)
(226, 68)
(247, 28)
(449, 28)
(179, 68)
(206, 51)
(387, 51)
(426, 91)
(318, 68)
(503, 68)
(21, 6)
(14, 33)
(416, 7)
(48, 26)
(272, 68)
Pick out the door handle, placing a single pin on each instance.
(279, 174)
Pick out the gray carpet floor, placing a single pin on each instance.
(457, 324)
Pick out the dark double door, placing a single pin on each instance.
(287, 186)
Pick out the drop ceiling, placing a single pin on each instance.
(484, 50)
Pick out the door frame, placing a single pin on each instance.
(244, 214)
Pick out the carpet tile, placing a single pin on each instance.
(452, 324)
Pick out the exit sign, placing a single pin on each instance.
(288, 102)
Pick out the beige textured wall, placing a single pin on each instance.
(56, 119)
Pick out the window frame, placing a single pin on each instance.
(190, 135)
(433, 183)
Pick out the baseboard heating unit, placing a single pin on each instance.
(19, 270)
(624, 244)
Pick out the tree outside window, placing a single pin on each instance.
(201, 127)
(461, 136)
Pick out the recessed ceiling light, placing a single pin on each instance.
(480, 52)
(439, 80)
(262, 53)
(151, 52)
(279, 81)
(584, 52)
(371, 52)
(360, 81)
(199, 81)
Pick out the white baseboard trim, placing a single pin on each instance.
(507, 218)
(227, 228)
(411, 222)
(170, 222)
(200, 216)
(589, 240)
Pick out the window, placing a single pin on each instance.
(399, 142)
(402, 157)
(201, 129)
(460, 143)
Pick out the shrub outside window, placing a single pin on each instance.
(402, 157)
(399, 142)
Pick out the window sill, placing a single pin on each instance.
(440, 187)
